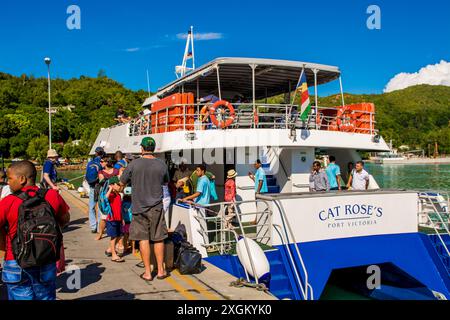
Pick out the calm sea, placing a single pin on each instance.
(421, 176)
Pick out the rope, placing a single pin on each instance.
(241, 282)
(73, 179)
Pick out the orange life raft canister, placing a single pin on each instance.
(346, 122)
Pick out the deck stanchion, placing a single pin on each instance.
(315, 96)
(253, 66)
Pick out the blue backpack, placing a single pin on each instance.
(103, 202)
(92, 169)
(126, 211)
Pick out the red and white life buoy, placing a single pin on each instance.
(346, 121)
(212, 111)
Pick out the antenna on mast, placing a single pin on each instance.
(182, 70)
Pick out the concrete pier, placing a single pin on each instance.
(100, 278)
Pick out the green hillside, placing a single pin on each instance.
(24, 120)
(415, 116)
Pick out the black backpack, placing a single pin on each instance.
(39, 237)
(189, 259)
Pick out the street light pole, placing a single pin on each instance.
(47, 62)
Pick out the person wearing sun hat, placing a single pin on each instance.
(49, 173)
(230, 192)
(148, 175)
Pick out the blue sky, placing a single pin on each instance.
(413, 34)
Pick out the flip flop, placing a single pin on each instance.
(108, 254)
(120, 260)
(145, 279)
(163, 277)
(140, 264)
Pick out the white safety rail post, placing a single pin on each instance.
(253, 66)
(218, 82)
(167, 119)
(315, 96)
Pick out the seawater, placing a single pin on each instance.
(420, 176)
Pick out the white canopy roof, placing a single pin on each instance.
(272, 77)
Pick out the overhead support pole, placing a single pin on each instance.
(315, 95)
(192, 47)
(253, 66)
(218, 82)
(198, 97)
(342, 91)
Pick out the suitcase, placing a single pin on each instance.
(168, 255)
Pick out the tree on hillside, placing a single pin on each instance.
(37, 148)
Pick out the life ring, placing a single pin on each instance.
(347, 123)
(212, 111)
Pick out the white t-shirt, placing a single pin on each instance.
(359, 179)
(6, 191)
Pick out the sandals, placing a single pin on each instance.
(163, 277)
(119, 260)
(145, 279)
(108, 254)
(140, 264)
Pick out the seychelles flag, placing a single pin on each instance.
(302, 88)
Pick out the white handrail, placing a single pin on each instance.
(305, 271)
(438, 213)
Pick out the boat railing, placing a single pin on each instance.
(434, 212)
(288, 238)
(195, 117)
(221, 234)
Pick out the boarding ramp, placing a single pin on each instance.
(213, 232)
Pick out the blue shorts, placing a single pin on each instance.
(114, 228)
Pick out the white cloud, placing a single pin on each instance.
(132, 49)
(202, 36)
(437, 74)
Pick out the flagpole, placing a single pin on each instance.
(295, 91)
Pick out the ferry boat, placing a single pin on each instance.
(389, 157)
(382, 243)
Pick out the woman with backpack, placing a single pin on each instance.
(108, 171)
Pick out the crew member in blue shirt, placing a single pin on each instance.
(202, 193)
(49, 174)
(334, 174)
(259, 178)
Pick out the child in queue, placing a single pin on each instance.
(114, 219)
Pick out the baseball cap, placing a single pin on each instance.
(114, 180)
(148, 142)
(99, 149)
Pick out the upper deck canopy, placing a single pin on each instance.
(272, 77)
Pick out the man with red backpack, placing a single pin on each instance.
(32, 219)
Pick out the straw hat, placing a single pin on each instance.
(231, 174)
(51, 153)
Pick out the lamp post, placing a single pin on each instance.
(47, 62)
